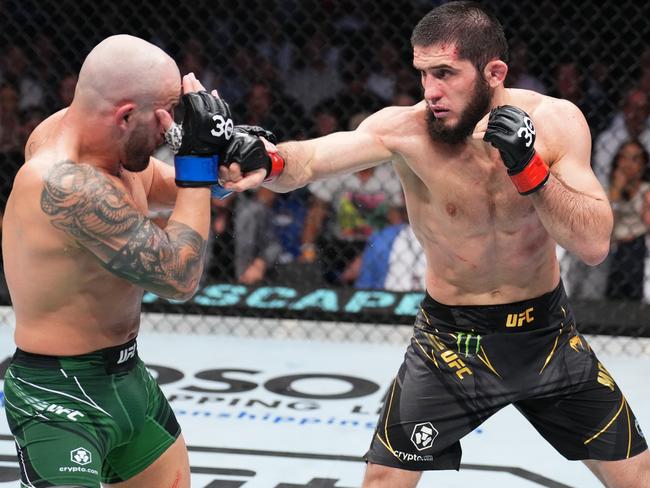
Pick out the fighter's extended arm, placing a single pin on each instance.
(569, 200)
(100, 215)
(306, 161)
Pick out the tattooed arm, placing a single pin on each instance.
(99, 214)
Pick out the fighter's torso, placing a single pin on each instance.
(484, 242)
(65, 302)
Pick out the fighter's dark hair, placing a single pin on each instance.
(475, 31)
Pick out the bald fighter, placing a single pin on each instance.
(79, 251)
(494, 179)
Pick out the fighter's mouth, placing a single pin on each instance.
(439, 111)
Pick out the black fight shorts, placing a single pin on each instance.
(465, 363)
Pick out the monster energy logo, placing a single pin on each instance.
(466, 340)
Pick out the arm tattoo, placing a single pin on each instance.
(87, 205)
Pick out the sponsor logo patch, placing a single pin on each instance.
(423, 435)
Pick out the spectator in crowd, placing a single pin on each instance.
(65, 92)
(244, 247)
(645, 216)
(382, 80)
(192, 60)
(315, 75)
(644, 76)
(569, 83)
(392, 260)
(270, 108)
(403, 99)
(10, 140)
(29, 119)
(233, 80)
(519, 75)
(275, 46)
(630, 183)
(632, 122)
(354, 97)
(597, 86)
(14, 69)
(324, 120)
(289, 211)
(343, 212)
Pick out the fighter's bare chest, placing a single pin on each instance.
(475, 193)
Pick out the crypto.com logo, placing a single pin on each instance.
(81, 456)
(423, 436)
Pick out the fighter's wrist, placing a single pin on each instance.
(532, 176)
(276, 166)
(195, 171)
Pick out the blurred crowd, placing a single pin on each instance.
(353, 231)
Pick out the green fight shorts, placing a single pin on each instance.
(82, 420)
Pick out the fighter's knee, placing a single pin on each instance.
(378, 476)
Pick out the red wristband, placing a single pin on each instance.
(532, 177)
(277, 165)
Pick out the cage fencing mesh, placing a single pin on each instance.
(341, 252)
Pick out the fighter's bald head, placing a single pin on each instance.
(124, 68)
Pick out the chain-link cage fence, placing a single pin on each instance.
(341, 250)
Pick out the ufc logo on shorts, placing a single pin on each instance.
(223, 127)
(527, 131)
(126, 354)
(518, 319)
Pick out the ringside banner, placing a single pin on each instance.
(262, 413)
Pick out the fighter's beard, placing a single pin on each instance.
(478, 106)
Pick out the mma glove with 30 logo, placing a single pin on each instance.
(249, 152)
(206, 132)
(512, 132)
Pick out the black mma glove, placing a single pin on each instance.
(512, 132)
(248, 150)
(206, 132)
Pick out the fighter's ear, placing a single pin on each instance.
(495, 72)
(122, 114)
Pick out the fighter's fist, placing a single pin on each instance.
(207, 124)
(249, 151)
(206, 132)
(512, 132)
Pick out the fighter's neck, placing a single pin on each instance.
(501, 96)
(88, 142)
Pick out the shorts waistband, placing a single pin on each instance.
(509, 317)
(113, 359)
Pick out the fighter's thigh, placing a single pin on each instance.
(58, 454)
(170, 470)
(435, 400)
(627, 473)
(588, 417)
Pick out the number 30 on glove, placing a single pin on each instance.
(204, 136)
(511, 131)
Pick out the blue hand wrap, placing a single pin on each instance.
(192, 171)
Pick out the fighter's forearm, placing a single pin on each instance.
(334, 154)
(298, 157)
(579, 222)
(168, 263)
